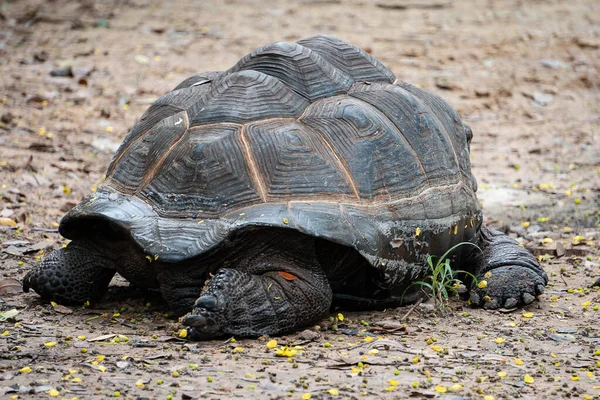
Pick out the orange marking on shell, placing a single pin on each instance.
(287, 276)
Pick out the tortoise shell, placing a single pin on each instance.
(316, 136)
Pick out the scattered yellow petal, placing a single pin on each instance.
(590, 375)
(586, 304)
(456, 387)
(575, 378)
(306, 396)
(25, 370)
(82, 337)
(286, 221)
(101, 368)
(5, 333)
(393, 382)
(527, 315)
(528, 379)
(7, 222)
(547, 240)
(369, 339)
(440, 389)
(183, 333)
(340, 316)
(415, 360)
(238, 350)
(50, 344)
(499, 340)
(175, 374)
(501, 374)
(100, 357)
(482, 284)
(53, 392)
(285, 351)
(373, 352)
(488, 398)
(525, 224)
(271, 344)
(578, 239)
(333, 392)
(518, 361)
(417, 231)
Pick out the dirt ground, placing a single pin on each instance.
(525, 75)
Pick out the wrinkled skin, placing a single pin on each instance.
(269, 282)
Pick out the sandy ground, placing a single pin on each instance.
(525, 76)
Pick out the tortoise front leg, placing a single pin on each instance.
(512, 275)
(273, 294)
(72, 275)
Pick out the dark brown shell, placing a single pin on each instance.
(315, 136)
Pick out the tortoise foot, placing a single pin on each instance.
(508, 287)
(238, 303)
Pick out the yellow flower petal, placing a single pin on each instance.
(53, 392)
(183, 333)
(586, 304)
(369, 339)
(271, 344)
(527, 315)
(518, 361)
(306, 396)
(393, 382)
(417, 231)
(482, 284)
(501, 374)
(456, 387)
(528, 379)
(333, 392)
(499, 340)
(340, 316)
(25, 370)
(440, 389)
(50, 344)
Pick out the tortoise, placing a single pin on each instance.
(304, 177)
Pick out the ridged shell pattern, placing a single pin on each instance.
(317, 125)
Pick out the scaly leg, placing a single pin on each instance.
(512, 275)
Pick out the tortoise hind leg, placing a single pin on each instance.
(512, 275)
(271, 292)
